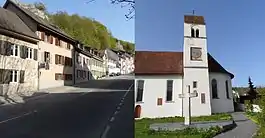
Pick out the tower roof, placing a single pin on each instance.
(193, 19)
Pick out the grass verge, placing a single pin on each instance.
(254, 117)
(142, 127)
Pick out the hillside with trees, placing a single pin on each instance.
(88, 31)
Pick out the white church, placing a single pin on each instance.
(162, 78)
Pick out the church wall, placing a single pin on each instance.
(223, 104)
(201, 76)
(156, 87)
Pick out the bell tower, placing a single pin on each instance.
(195, 61)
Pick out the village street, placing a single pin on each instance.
(97, 109)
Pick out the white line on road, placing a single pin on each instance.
(13, 118)
(105, 132)
(112, 119)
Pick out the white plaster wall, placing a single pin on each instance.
(30, 67)
(155, 87)
(195, 42)
(222, 104)
(201, 76)
(47, 77)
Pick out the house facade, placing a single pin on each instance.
(55, 48)
(161, 77)
(18, 57)
(112, 60)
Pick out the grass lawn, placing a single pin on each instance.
(142, 126)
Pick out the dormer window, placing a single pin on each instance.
(197, 33)
(192, 32)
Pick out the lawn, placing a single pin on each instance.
(142, 127)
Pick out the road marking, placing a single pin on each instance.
(105, 132)
(112, 119)
(13, 118)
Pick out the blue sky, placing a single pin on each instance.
(112, 16)
(235, 31)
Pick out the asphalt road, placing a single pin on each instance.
(104, 113)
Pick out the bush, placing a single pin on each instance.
(248, 106)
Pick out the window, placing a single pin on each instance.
(68, 46)
(68, 76)
(45, 37)
(192, 32)
(140, 89)
(197, 32)
(47, 57)
(194, 84)
(13, 76)
(29, 55)
(227, 90)
(169, 90)
(14, 50)
(214, 89)
(59, 76)
(84, 61)
(203, 98)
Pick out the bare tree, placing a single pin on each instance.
(130, 4)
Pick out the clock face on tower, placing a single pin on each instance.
(196, 53)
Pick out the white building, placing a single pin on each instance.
(161, 76)
(112, 60)
(18, 57)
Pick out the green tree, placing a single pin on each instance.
(252, 93)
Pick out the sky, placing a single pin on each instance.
(112, 16)
(235, 32)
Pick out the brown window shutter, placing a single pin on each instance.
(56, 59)
(56, 41)
(51, 39)
(63, 60)
(42, 36)
(48, 38)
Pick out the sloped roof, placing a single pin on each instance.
(112, 55)
(39, 20)
(193, 19)
(11, 22)
(148, 62)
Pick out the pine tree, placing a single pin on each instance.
(252, 93)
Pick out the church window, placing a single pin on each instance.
(203, 98)
(169, 90)
(192, 32)
(140, 89)
(227, 90)
(214, 89)
(194, 84)
(197, 33)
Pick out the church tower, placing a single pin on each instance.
(195, 62)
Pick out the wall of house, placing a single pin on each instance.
(156, 87)
(82, 68)
(15, 63)
(97, 68)
(47, 76)
(222, 104)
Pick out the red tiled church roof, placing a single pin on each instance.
(159, 63)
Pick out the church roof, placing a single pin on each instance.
(193, 19)
(160, 63)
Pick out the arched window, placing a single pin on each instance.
(197, 33)
(192, 32)
(227, 90)
(214, 89)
